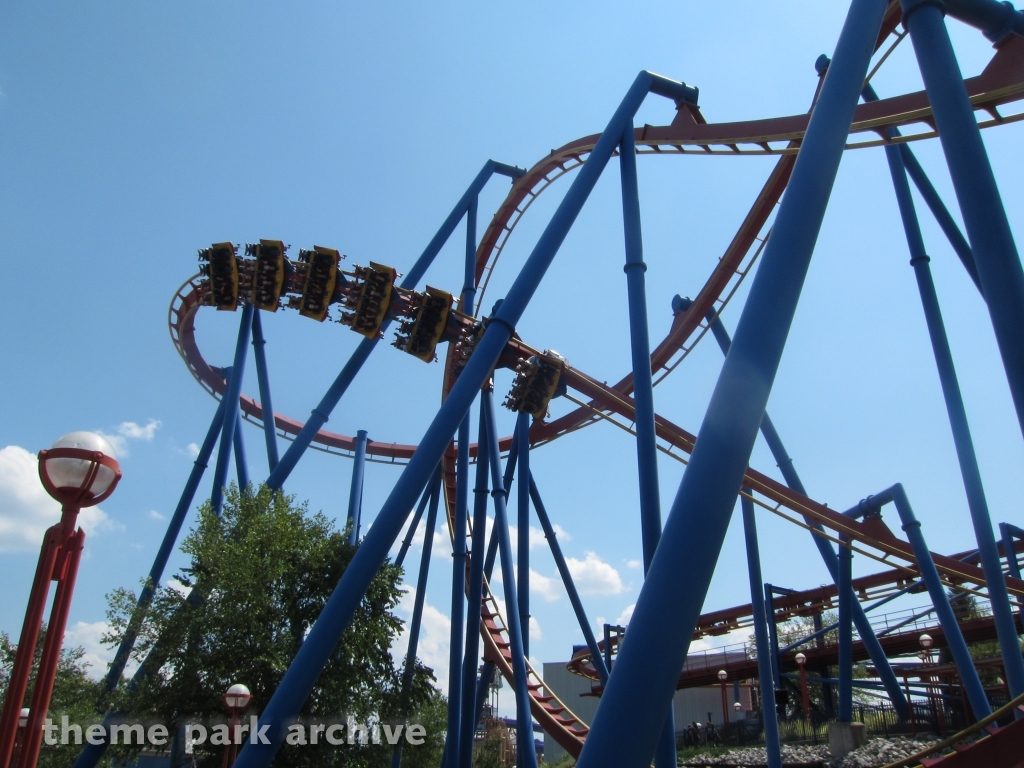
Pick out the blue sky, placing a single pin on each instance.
(133, 135)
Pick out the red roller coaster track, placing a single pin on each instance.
(1001, 82)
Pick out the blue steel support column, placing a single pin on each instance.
(846, 599)
(453, 744)
(467, 303)
(828, 555)
(482, 686)
(298, 681)
(995, 18)
(355, 491)
(263, 379)
(417, 610)
(510, 470)
(643, 391)
(523, 532)
(333, 396)
(1007, 532)
(470, 713)
(995, 253)
(407, 542)
(570, 585)
(974, 489)
(640, 692)
(769, 717)
(773, 634)
(241, 464)
(166, 547)
(230, 421)
(931, 196)
(930, 576)
(525, 758)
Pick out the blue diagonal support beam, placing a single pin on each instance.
(641, 687)
(301, 676)
(259, 344)
(332, 397)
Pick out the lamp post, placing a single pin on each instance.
(722, 677)
(80, 470)
(236, 699)
(801, 659)
(925, 655)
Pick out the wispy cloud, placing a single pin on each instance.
(593, 576)
(435, 637)
(129, 430)
(156, 515)
(27, 510)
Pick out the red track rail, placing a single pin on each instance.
(1001, 82)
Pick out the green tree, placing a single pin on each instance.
(264, 570)
(74, 694)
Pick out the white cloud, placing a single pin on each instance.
(435, 636)
(27, 510)
(537, 538)
(593, 576)
(626, 615)
(535, 631)
(548, 588)
(193, 450)
(87, 636)
(129, 430)
(156, 515)
(634, 563)
(440, 544)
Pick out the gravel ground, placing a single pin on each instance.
(876, 753)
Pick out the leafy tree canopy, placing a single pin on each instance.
(259, 575)
(74, 694)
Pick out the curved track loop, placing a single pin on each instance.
(1001, 82)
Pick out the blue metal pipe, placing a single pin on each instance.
(570, 585)
(824, 547)
(1008, 532)
(469, 280)
(643, 390)
(773, 634)
(453, 743)
(510, 469)
(769, 717)
(845, 632)
(241, 464)
(301, 676)
(407, 542)
(525, 758)
(470, 715)
(263, 378)
(418, 600)
(332, 397)
(355, 491)
(523, 532)
(163, 554)
(230, 421)
(640, 692)
(943, 611)
(995, 253)
(974, 489)
(931, 197)
(482, 687)
(995, 19)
